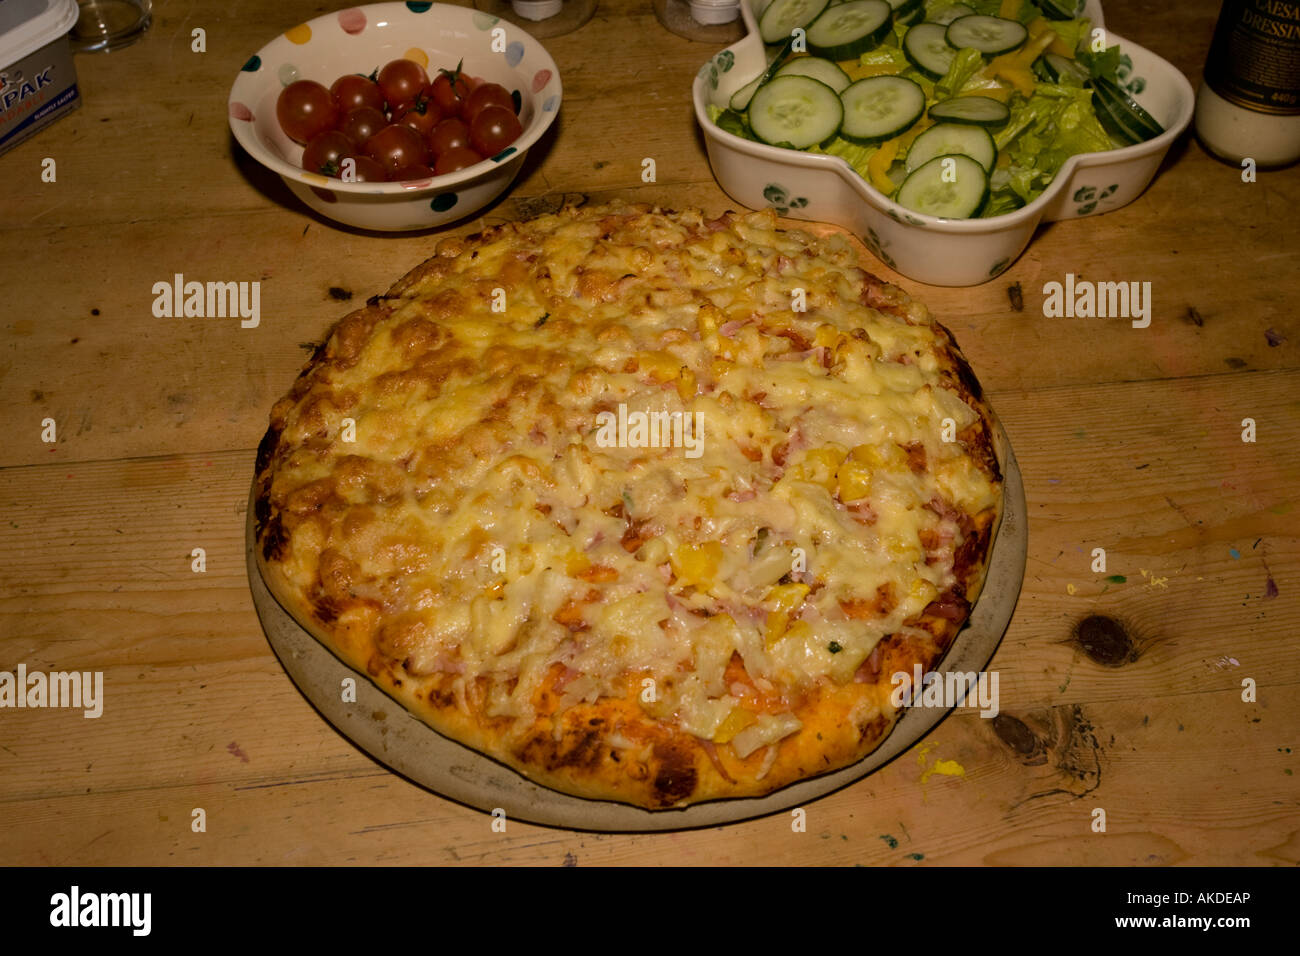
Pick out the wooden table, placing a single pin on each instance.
(1129, 440)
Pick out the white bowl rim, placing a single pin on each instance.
(242, 129)
(1030, 211)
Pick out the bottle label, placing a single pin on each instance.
(1254, 59)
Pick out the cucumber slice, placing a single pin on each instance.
(1127, 119)
(989, 35)
(1065, 71)
(881, 107)
(972, 111)
(795, 111)
(927, 49)
(952, 187)
(819, 69)
(904, 10)
(782, 16)
(846, 31)
(948, 139)
(910, 14)
(1061, 9)
(740, 99)
(783, 53)
(952, 13)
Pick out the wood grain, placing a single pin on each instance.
(1128, 439)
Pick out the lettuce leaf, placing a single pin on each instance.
(1044, 131)
(853, 154)
(965, 65)
(888, 58)
(1104, 65)
(1073, 32)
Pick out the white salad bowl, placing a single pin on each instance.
(360, 39)
(930, 249)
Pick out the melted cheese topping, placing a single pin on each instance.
(482, 522)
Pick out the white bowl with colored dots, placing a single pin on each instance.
(361, 39)
(935, 250)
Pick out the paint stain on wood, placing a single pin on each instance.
(1192, 317)
(339, 293)
(1017, 297)
(232, 748)
(890, 841)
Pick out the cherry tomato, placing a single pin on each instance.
(396, 146)
(493, 130)
(402, 81)
(449, 134)
(489, 94)
(353, 91)
(414, 171)
(325, 151)
(363, 169)
(456, 158)
(305, 109)
(450, 91)
(422, 116)
(361, 124)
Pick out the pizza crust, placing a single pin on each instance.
(613, 746)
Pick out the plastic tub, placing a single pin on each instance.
(38, 83)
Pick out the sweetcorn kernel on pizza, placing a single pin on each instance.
(646, 506)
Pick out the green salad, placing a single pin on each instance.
(956, 110)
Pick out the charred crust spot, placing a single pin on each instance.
(978, 442)
(372, 301)
(266, 449)
(582, 750)
(872, 728)
(676, 776)
(261, 509)
(326, 609)
(274, 538)
(966, 376)
(971, 551)
(442, 699)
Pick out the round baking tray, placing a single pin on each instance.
(380, 725)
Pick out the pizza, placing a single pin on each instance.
(647, 506)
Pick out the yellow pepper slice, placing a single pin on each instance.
(1038, 26)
